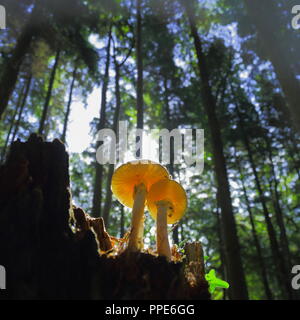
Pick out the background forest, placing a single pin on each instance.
(231, 67)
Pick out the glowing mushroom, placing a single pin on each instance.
(130, 183)
(167, 202)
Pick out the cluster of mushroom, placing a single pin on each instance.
(137, 184)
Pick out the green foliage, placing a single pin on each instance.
(215, 282)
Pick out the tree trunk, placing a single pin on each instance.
(278, 259)
(169, 126)
(261, 262)
(295, 162)
(66, 120)
(12, 122)
(221, 249)
(11, 70)
(46, 259)
(278, 213)
(236, 277)
(122, 223)
(22, 108)
(265, 27)
(140, 81)
(139, 57)
(108, 199)
(49, 94)
(97, 196)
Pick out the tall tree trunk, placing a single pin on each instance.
(169, 125)
(278, 212)
(12, 121)
(139, 57)
(66, 121)
(97, 196)
(236, 276)
(108, 195)
(265, 27)
(122, 222)
(261, 262)
(12, 66)
(277, 257)
(295, 162)
(140, 82)
(221, 249)
(49, 94)
(116, 118)
(17, 126)
(181, 232)
(108, 199)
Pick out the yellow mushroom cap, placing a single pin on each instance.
(171, 191)
(133, 173)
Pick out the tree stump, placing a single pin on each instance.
(46, 257)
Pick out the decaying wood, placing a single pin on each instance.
(104, 241)
(50, 248)
(195, 270)
(83, 223)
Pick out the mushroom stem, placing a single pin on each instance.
(137, 223)
(162, 240)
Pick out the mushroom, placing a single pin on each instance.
(130, 183)
(167, 202)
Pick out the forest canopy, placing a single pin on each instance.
(228, 67)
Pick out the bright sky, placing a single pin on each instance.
(79, 137)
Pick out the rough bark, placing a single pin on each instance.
(236, 277)
(50, 249)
